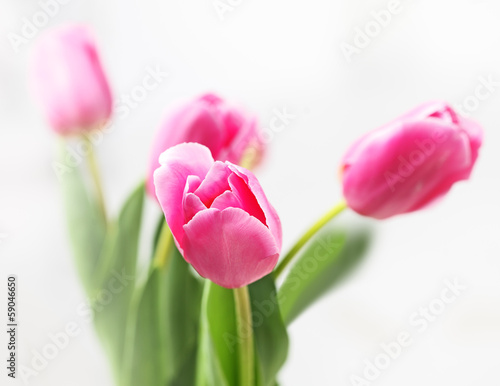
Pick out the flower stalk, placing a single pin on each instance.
(96, 178)
(335, 211)
(246, 353)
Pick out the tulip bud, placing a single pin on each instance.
(69, 81)
(229, 133)
(410, 162)
(219, 216)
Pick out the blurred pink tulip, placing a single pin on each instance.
(210, 121)
(410, 162)
(219, 215)
(69, 81)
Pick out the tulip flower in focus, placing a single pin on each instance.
(219, 215)
(69, 81)
(228, 132)
(410, 162)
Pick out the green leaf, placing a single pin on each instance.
(183, 303)
(212, 352)
(162, 336)
(145, 360)
(327, 259)
(86, 226)
(218, 358)
(117, 272)
(271, 337)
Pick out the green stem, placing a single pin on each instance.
(245, 333)
(336, 210)
(96, 177)
(161, 256)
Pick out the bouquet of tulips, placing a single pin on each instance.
(207, 309)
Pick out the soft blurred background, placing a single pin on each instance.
(266, 56)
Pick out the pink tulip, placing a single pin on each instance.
(69, 81)
(219, 215)
(409, 163)
(208, 120)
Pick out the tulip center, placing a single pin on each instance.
(223, 187)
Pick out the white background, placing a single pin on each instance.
(267, 55)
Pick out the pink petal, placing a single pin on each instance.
(241, 133)
(227, 200)
(434, 109)
(192, 183)
(214, 184)
(194, 122)
(170, 179)
(191, 203)
(230, 247)
(271, 216)
(246, 197)
(475, 133)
